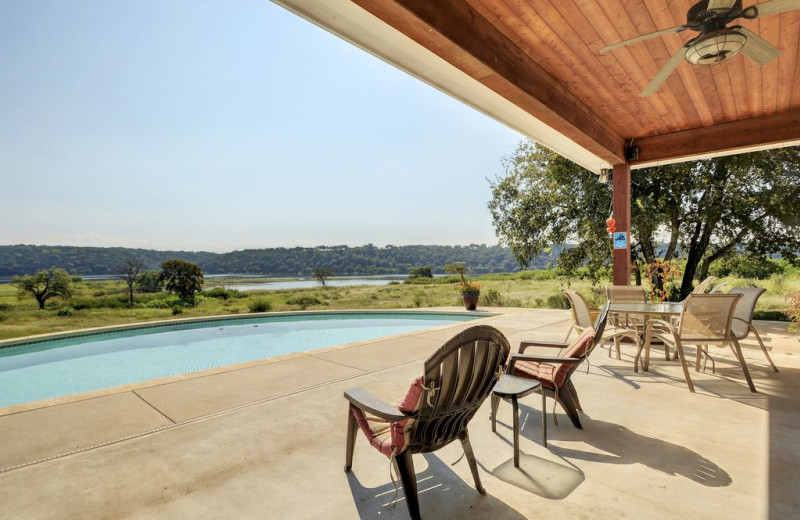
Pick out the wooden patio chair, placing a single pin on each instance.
(582, 320)
(742, 324)
(705, 320)
(457, 379)
(554, 372)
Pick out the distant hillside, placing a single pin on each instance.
(275, 262)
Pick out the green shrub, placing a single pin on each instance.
(771, 315)
(222, 293)
(65, 311)
(260, 305)
(557, 301)
(76, 279)
(492, 298)
(108, 302)
(304, 301)
(6, 307)
(160, 303)
(747, 266)
(177, 309)
(149, 282)
(420, 272)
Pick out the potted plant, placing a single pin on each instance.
(470, 291)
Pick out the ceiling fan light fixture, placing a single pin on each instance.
(715, 47)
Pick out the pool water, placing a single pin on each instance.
(80, 364)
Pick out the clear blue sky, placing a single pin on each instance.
(210, 125)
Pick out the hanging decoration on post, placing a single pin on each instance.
(611, 224)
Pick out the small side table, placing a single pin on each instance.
(513, 388)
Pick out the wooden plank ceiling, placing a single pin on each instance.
(544, 55)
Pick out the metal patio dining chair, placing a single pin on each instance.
(705, 320)
(456, 380)
(742, 324)
(582, 320)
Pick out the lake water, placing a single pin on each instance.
(304, 283)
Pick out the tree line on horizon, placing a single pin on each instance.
(17, 260)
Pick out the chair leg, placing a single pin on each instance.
(682, 357)
(574, 394)
(352, 428)
(738, 350)
(405, 468)
(568, 404)
(763, 348)
(495, 406)
(473, 465)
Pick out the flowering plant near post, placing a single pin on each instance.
(659, 274)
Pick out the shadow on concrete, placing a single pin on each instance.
(784, 444)
(541, 477)
(442, 494)
(619, 445)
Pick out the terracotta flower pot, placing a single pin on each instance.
(471, 299)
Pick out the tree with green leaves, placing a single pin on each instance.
(128, 272)
(703, 210)
(182, 278)
(149, 282)
(322, 275)
(46, 284)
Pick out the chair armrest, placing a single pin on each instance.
(541, 359)
(364, 400)
(662, 325)
(523, 345)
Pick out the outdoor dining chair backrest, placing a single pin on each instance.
(707, 318)
(743, 314)
(626, 294)
(581, 318)
(702, 286)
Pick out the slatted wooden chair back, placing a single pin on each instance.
(458, 379)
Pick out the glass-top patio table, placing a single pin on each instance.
(646, 310)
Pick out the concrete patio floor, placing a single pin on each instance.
(267, 440)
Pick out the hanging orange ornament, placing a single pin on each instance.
(611, 224)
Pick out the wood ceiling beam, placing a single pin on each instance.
(458, 33)
(720, 138)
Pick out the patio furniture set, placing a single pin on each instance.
(477, 364)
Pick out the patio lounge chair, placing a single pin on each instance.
(705, 320)
(457, 379)
(582, 320)
(742, 324)
(555, 372)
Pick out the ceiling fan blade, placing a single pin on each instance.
(664, 73)
(643, 37)
(777, 7)
(720, 4)
(757, 48)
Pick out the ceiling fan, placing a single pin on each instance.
(716, 43)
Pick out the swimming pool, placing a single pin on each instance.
(58, 367)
